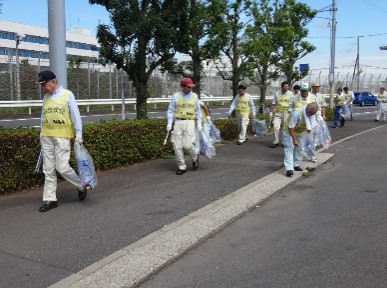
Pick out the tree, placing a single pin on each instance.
(231, 33)
(200, 26)
(140, 39)
(262, 45)
(274, 41)
(298, 15)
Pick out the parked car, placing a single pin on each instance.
(365, 98)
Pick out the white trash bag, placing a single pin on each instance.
(85, 166)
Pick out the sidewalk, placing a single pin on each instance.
(136, 214)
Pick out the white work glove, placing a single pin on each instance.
(169, 127)
(208, 117)
(78, 140)
(199, 127)
(270, 114)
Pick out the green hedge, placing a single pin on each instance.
(112, 144)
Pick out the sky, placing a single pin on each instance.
(355, 18)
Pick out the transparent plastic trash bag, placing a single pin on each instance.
(344, 111)
(205, 146)
(259, 127)
(322, 137)
(214, 132)
(85, 166)
(307, 144)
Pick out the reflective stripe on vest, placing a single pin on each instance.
(185, 108)
(56, 117)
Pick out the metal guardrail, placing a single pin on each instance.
(116, 102)
(112, 102)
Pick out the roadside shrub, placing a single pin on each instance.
(112, 144)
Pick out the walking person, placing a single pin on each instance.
(302, 99)
(296, 89)
(340, 101)
(243, 105)
(350, 97)
(382, 103)
(60, 117)
(184, 109)
(320, 99)
(280, 110)
(293, 136)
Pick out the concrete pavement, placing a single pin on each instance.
(139, 219)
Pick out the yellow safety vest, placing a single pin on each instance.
(300, 101)
(301, 126)
(283, 101)
(382, 96)
(340, 100)
(242, 105)
(350, 96)
(56, 117)
(185, 108)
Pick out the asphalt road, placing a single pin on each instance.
(327, 230)
(39, 249)
(29, 121)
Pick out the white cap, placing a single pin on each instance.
(304, 87)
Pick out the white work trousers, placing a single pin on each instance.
(56, 156)
(279, 119)
(243, 122)
(293, 155)
(382, 109)
(183, 138)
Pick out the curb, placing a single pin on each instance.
(135, 263)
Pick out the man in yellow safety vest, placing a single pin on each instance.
(60, 117)
(183, 110)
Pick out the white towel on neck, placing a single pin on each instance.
(310, 121)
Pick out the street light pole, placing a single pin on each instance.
(17, 76)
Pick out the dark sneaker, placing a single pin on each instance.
(334, 126)
(48, 205)
(289, 173)
(274, 145)
(239, 143)
(195, 164)
(298, 168)
(180, 172)
(82, 193)
(376, 120)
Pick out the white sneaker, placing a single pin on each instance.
(313, 159)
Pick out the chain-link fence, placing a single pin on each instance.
(18, 83)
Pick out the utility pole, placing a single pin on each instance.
(331, 77)
(358, 64)
(333, 52)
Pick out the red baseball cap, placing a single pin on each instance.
(188, 82)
